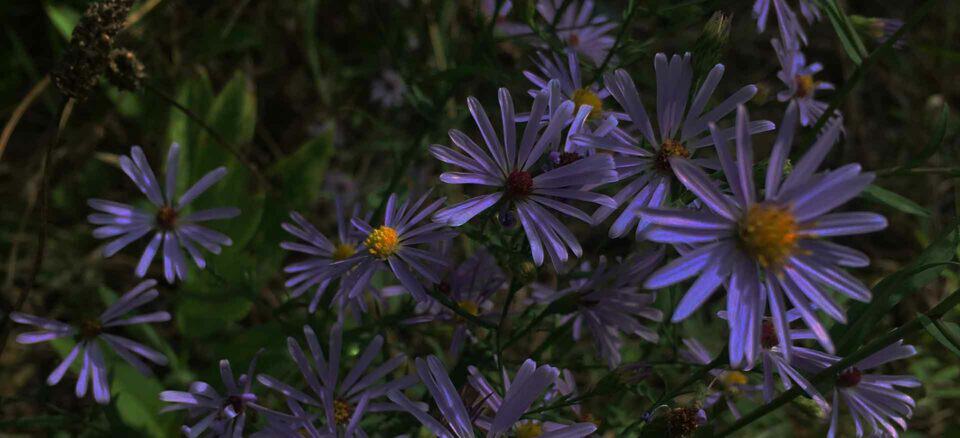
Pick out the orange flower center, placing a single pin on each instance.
(769, 234)
(382, 242)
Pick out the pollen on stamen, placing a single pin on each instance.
(382, 242)
(583, 96)
(805, 85)
(768, 233)
(669, 148)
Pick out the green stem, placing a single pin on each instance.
(631, 10)
(829, 374)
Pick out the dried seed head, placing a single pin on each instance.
(126, 71)
(88, 55)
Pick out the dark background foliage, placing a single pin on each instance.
(289, 83)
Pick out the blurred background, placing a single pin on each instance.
(330, 98)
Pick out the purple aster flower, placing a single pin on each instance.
(342, 401)
(392, 245)
(797, 75)
(874, 400)
(766, 248)
(456, 421)
(510, 168)
(568, 76)
(322, 266)
(786, 362)
(528, 385)
(579, 29)
(94, 370)
(503, 26)
(734, 384)
(609, 304)
(173, 229)
(790, 29)
(223, 414)
(470, 285)
(682, 132)
(388, 89)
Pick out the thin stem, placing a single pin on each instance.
(526, 329)
(448, 303)
(217, 138)
(869, 61)
(63, 114)
(632, 9)
(829, 374)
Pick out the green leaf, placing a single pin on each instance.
(303, 171)
(951, 341)
(63, 18)
(939, 131)
(849, 39)
(883, 196)
(138, 402)
(893, 289)
(203, 315)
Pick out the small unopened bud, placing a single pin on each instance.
(88, 55)
(527, 272)
(126, 71)
(878, 29)
(709, 47)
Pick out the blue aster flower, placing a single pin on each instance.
(802, 88)
(682, 131)
(579, 28)
(91, 333)
(172, 228)
(791, 31)
(511, 168)
(770, 249)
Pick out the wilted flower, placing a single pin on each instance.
(343, 401)
(579, 29)
(765, 248)
(609, 303)
(88, 55)
(388, 89)
(470, 286)
(173, 229)
(224, 415)
(682, 132)
(797, 75)
(94, 370)
(510, 166)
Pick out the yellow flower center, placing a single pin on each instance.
(342, 411)
(382, 242)
(343, 251)
(732, 380)
(529, 430)
(805, 85)
(470, 307)
(769, 234)
(583, 96)
(669, 148)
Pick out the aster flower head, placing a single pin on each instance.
(682, 131)
(322, 267)
(392, 246)
(581, 31)
(510, 168)
(765, 249)
(529, 384)
(343, 401)
(388, 89)
(91, 333)
(791, 31)
(470, 285)
(797, 75)
(609, 304)
(167, 221)
(223, 414)
(567, 74)
(874, 400)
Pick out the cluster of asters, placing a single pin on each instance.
(558, 149)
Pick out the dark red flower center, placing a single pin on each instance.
(519, 184)
(849, 378)
(90, 329)
(236, 402)
(768, 335)
(573, 40)
(166, 218)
